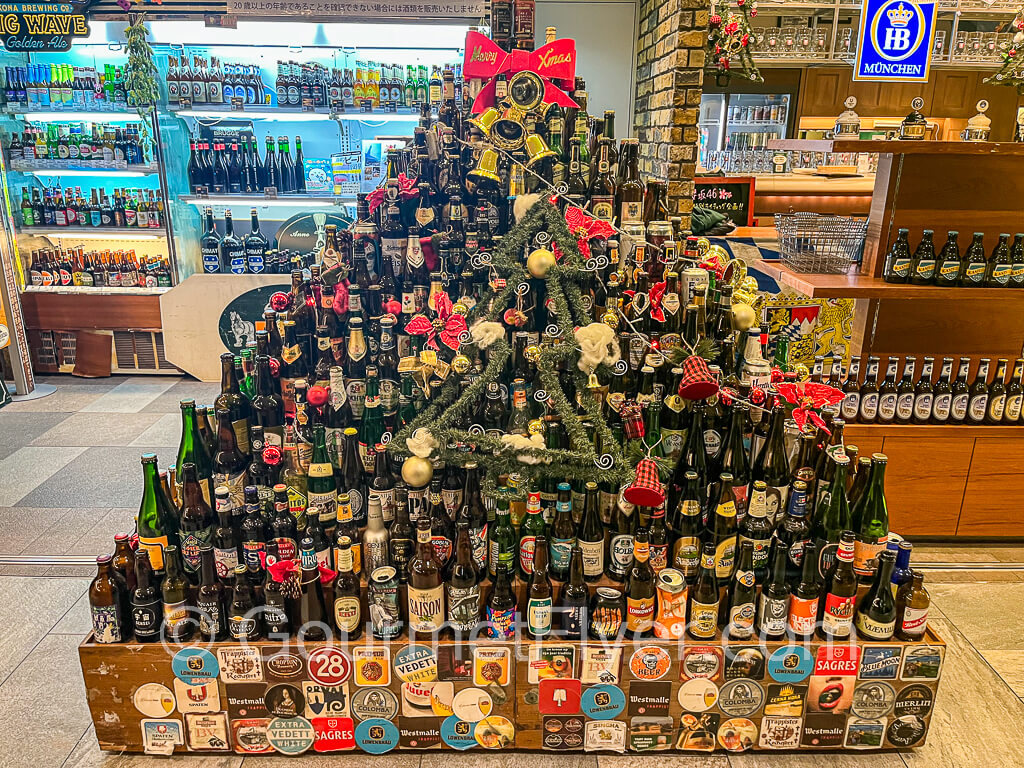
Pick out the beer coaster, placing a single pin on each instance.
(697, 695)
(454, 662)
(830, 695)
(284, 666)
(837, 661)
(780, 733)
(740, 697)
(194, 664)
(645, 699)
(495, 732)
(650, 662)
(472, 705)
(785, 700)
(701, 661)
(324, 700)
(651, 733)
(374, 704)
(245, 700)
(416, 699)
(905, 731)
(604, 736)
(240, 664)
(745, 662)
(863, 734)
(548, 661)
(738, 734)
(563, 732)
(376, 736)
(789, 664)
(333, 734)
(823, 731)
(328, 665)
(416, 664)
(207, 731)
(873, 700)
(603, 702)
(154, 700)
(200, 697)
(697, 731)
(558, 696)
(441, 696)
(922, 662)
(372, 665)
(458, 733)
(419, 733)
(914, 700)
(284, 700)
(600, 665)
(880, 662)
(249, 735)
(491, 666)
(160, 736)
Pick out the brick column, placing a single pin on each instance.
(670, 68)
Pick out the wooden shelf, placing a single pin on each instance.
(901, 147)
(960, 431)
(91, 312)
(856, 286)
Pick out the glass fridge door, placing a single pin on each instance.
(752, 119)
(712, 125)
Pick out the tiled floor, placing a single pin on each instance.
(69, 479)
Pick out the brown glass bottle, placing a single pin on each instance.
(106, 604)
(912, 602)
(426, 590)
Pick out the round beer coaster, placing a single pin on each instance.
(697, 695)
(914, 700)
(737, 734)
(416, 664)
(495, 732)
(191, 664)
(154, 700)
(790, 664)
(603, 702)
(290, 735)
(377, 736)
(905, 731)
(873, 700)
(472, 705)
(740, 697)
(458, 734)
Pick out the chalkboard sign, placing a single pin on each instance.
(731, 195)
(46, 26)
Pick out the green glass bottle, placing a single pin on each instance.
(501, 537)
(532, 527)
(321, 490)
(870, 521)
(157, 522)
(234, 400)
(372, 428)
(192, 449)
(832, 516)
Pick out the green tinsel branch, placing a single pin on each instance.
(141, 79)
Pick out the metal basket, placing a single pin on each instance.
(810, 242)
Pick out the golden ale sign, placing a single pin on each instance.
(31, 27)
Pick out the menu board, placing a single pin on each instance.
(731, 195)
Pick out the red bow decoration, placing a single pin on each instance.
(454, 325)
(713, 266)
(406, 191)
(282, 570)
(807, 395)
(584, 228)
(486, 59)
(655, 294)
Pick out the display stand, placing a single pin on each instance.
(648, 695)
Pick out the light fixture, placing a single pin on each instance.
(104, 234)
(77, 117)
(86, 172)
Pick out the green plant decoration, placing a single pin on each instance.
(140, 82)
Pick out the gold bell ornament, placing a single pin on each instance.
(485, 120)
(536, 149)
(540, 262)
(486, 167)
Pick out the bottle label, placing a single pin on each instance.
(501, 623)
(242, 627)
(155, 545)
(1001, 273)
(602, 207)
(538, 616)
(561, 553)
(773, 614)
(975, 271)
(658, 557)
(914, 621)
(631, 213)
(574, 621)
(803, 614)
(386, 497)
(426, 609)
(527, 547)
(686, 555)
(225, 561)
(1013, 406)
(949, 269)
(887, 406)
(251, 552)
(958, 409)
(621, 552)
(211, 620)
(452, 498)
(874, 630)
(146, 619)
(346, 613)
(191, 543)
(838, 616)
(996, 406)
(640, 614)
(463, 607)
(926, 269)
(175, 614)
(235, 483)
(864, 555)
(762, 548)
(712, 442)
(741, 620)
(211, 259)
(703, 620)
(905, 406)
(901, 266)
(923, 406)
(725, 556)
(869, 407)
(976, 409)
(106, 624)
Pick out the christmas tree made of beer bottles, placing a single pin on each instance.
(433, 434)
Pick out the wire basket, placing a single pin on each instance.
(810, 242)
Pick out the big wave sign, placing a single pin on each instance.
(895, 40)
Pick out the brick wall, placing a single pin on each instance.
(670, 63)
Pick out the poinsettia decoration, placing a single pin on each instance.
(584, 228)
(284, 569)
(406, 191)
(449, 327)
(808, 396)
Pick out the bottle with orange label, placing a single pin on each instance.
(640, 588)
(670, 623)
(803, 604)
(870, 521)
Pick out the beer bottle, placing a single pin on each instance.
(472, 509)
(442, 527)
(898, 260)
(347, 528)
(178, 622)
(1000, 264)
(372, 428)
(888, 393)
(923, 267)
(949, 264)
(1014, 394)
(501, 605)
(833, 514)
(293, 365)
(321, 543)
(901, 571)
(1017, 257)
(563, 533)
(147, 610)
(110, 624)
(869, 394)
(275, 603)
(619, 556)
(756, 530)
(231, 399)
(772, 465)
(912, 602)
(850, 407)
(640, 589)
(942, 395)
(803, 604)
(230, 463)
(590, 535)
(905, 392)
(773, 608)
(313, 620)
(876, 610)
(196, 523)
(532, 527)
(400, 542)
(734, 458)
(659, 540)
(501, 543)
(463, 586)
(210, 599)
(977, 405)
(538, 604)
(839, 591)
(742, 595)
(347, 613)
(687, 531)
(996, 408)
(793, 531)
(975, 266)
(267, 406)
(574, 597)
(695, 457)
(352, 481)
(870, 520)
(282, 525)
(192, 449)
(157, 521)
(226, 537)
(321, 490)
(704, 598)
(206, 430)
(924, 393)
(375, 539)
(425, 591)
(242, 621)
(723, 530)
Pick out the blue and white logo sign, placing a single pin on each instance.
(895, 40)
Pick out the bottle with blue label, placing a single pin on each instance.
(232, 250)
(563, 534)
(255, 246)
(209, 246)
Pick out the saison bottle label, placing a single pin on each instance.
(346, 613)
(538, 616)
(803, 614)
(874, 630)
(703, 620)
(426, 609)
(463, 607)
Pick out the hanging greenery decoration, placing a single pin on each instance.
(730, 38)
(1012, 53)
(141, 79)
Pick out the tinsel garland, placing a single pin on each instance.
(140, 80)
(453, 401)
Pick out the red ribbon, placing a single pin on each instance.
(553, 62)
(584, 228)
(453, 328)
(406, 191)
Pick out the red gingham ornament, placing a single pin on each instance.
(632, 420)
(697, 382)
(645, 490)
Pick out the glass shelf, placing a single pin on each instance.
(98, 233)
(126, 172)
(75, 116)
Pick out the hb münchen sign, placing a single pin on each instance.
(895, 40)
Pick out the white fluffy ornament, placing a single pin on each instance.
(521, 441)
(422, 443)
(485, 333)
(597, 345)
(523, 204)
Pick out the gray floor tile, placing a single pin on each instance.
(165, 431)
(66, 532)
(20, 429)
(29, 570)
(694, 759)
(1007, 554)
(43, 702)
(355, 760)
(930, 553)
(131, 396)
(26, 468)
(29, 608)
(77, 620)
(67, 380)
(66, 399)
(1009, 665)
(98, 429)
(20, 526)
(87, 754)
(102, 477)
(203, 392)
(768, 759)
(980, 612)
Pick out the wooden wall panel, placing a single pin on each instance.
(81, 312)
(867, 439)
(924, 483)
(995, 486)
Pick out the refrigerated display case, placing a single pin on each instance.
(738, 122)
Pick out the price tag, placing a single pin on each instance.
(270, 193)
(185, 102)
(237, 104)
(366, 105)
(392, 107)
(202, 192)
(307, 105)
(336, 109)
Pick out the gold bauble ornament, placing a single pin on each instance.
(743, 317)
(461, 364)
(540, 262)
(417, 471)
(803, 373)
